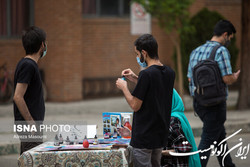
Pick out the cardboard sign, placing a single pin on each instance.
(140, 21)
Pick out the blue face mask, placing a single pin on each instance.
(142, 64)
(44, 52)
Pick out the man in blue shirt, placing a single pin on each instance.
(214, 117)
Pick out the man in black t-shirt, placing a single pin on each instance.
(151, 101)
(28, 97)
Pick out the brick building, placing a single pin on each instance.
(88, 47)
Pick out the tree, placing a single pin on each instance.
(244, 98)
(203, 32)
(173, 18)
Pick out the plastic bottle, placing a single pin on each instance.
(60, 139)
(67, 142)
(95, 140)
(123, 78)
(56, 141)
(76, 141)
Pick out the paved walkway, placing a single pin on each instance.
(91, 111)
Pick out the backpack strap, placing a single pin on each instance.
(212, 55)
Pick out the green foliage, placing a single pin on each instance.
(171, 14)
(173, 18)
(204, 22)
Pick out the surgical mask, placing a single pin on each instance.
(44, 52)
(142, 64)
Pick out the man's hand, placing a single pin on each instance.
(230, 79)
(130, 75)
(121, 84)
(167, 152)
(20, 102)
(133, 102)
(236, 75)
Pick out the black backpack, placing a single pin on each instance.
(210, 88)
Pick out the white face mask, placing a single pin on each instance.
(44, 52)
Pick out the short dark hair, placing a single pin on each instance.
(148, 43)
(32, 39)
(224, 26)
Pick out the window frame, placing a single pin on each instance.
(98, 14)
(8, 19)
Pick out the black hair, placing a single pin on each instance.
(32, 39)
(224, 26)
(148, 43)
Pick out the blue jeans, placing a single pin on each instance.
(213, 119)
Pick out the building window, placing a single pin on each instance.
(99, 8)
(15, 16)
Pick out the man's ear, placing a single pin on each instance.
(225, 34)
(144, 53)
(42, 46)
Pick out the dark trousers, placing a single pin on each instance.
(27, 142)
(213, 131)
(146, 157)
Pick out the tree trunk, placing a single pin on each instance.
(176, 41)
(179, 68)
(244, 94)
